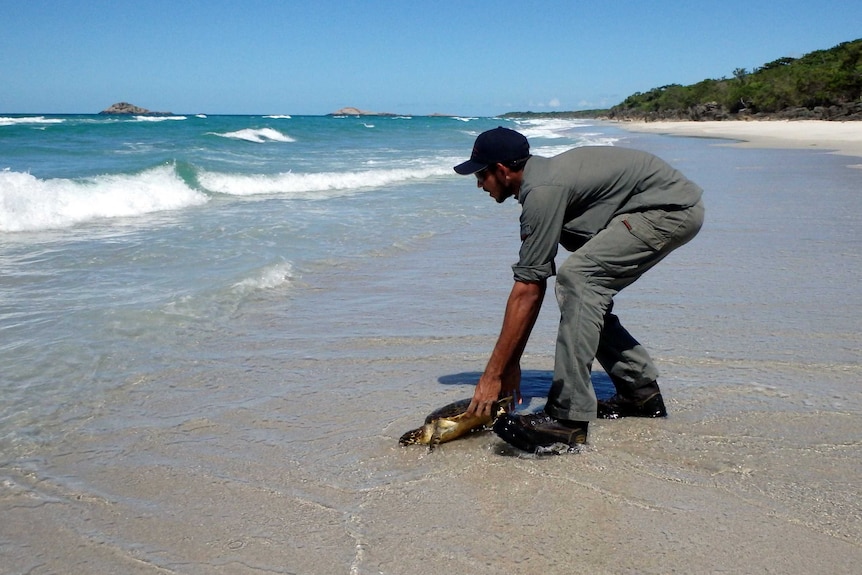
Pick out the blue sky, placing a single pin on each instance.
(455, 57)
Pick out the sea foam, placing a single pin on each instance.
(258, 136)
(573, 131)
(28, 203)
(267, 278)
(6, 121)
(312, 186)
(158, 118)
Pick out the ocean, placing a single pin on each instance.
(213, 330)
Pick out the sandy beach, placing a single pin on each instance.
(841, 137)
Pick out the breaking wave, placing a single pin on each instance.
(158, 118)
(312, 186)
(28, 203)
(267, 278)
(258, 136)
(6, 121)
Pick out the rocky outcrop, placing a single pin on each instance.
(715, 111)
(351, 111)
(838, 112)
(130, 109)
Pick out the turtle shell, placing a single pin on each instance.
(454, 409)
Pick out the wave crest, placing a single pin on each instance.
(267, 278)
(7, 121)
(258, 136)
(312, 186)
(158, 118)
(28, 203)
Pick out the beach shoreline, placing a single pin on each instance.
(843, 138)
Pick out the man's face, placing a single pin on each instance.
(492, 180)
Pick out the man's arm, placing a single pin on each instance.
(502, 374)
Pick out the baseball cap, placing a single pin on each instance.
(496, 146)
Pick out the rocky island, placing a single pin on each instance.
(124, 108)
(351, 111)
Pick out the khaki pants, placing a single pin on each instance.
(586, 284)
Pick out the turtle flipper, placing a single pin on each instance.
(436, 436)
(444, 430)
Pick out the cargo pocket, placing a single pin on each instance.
(618, 252)
(649, 229)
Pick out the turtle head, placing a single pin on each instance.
(414, 436)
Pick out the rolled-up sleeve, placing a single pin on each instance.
(542, 215)
(533, 274)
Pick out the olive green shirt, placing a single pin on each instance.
(569, 198)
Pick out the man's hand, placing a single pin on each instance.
(491, 388)
(487, 393)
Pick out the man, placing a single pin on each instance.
(619, 212)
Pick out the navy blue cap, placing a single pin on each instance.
(497, 146)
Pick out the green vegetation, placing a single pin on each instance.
(824, 83)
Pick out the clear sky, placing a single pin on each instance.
(408, 57)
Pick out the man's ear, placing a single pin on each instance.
(504, 171)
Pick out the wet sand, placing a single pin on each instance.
(730, 483)
(225, 464)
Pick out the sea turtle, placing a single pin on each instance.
(450, 422)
